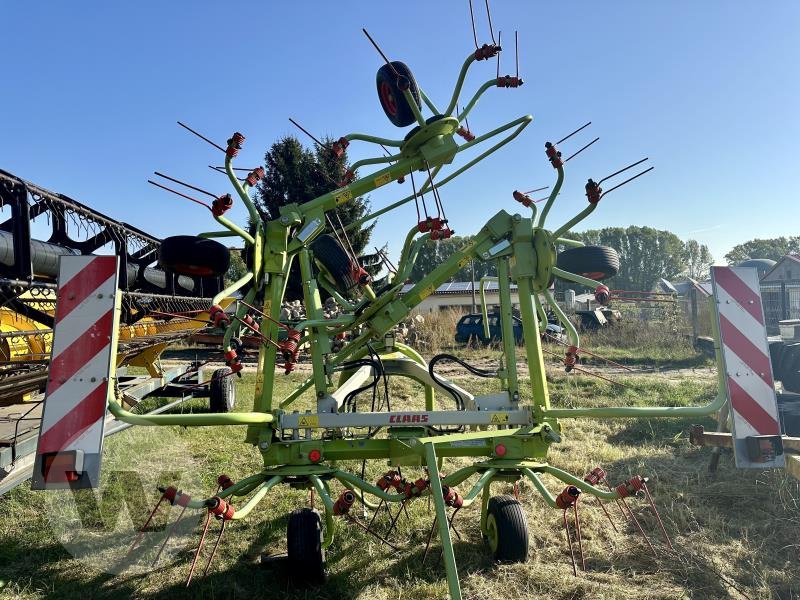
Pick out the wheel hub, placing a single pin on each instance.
(491, 533)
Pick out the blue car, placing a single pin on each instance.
(470, 327)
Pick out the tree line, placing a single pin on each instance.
(773, 248)
(646, 255)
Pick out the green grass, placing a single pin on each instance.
(735, 535)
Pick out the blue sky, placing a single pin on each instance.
(708, 90)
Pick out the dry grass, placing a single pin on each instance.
(437, 332)
(735, 536)
(637, 342)
(645, 337)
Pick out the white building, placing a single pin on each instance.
(458, 295)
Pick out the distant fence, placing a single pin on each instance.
(781, 301)
(697, 311)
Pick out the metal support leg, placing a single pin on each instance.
(485, 507)
(724, 412)
(444, 523)
(327, 501)
(722, 425)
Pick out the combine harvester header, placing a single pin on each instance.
(156, 309)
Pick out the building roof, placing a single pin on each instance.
(682, 288)
(764, 265)
(459, 287)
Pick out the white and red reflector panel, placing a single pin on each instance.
(748, 371)
(73, 419)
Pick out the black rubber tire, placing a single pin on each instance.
(222, 391)
(328, 252)
(194, 256)
(594, 262)
(512, 529)
(391, 97)
(306, 557)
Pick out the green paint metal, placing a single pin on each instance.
(524, 252)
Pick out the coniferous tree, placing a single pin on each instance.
(295, 174)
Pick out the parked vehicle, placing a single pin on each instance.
(470, 328)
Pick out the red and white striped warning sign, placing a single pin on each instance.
(748, 371)
(71, 433)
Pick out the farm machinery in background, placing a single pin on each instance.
(155, 309)
(506, 433)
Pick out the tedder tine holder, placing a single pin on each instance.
(567, 499)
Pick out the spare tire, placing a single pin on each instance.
(594, 262)
(330, 255)
(194, 256)
(390, 93)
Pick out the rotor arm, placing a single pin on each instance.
(572, 332)
(411, 250)
(551, 199)
(459, 84)
(574, 221)
(520, 123)
(474, 100)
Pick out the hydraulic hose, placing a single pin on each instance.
(444, 384)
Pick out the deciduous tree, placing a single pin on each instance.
(698, 260)
(773, 248)
(646, 254)
(434, 253)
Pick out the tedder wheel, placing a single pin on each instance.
(194, 256)
(390, 93)
(507, 529)
(328, 252)
(222, 391)
(306, 558)
(594, 262)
